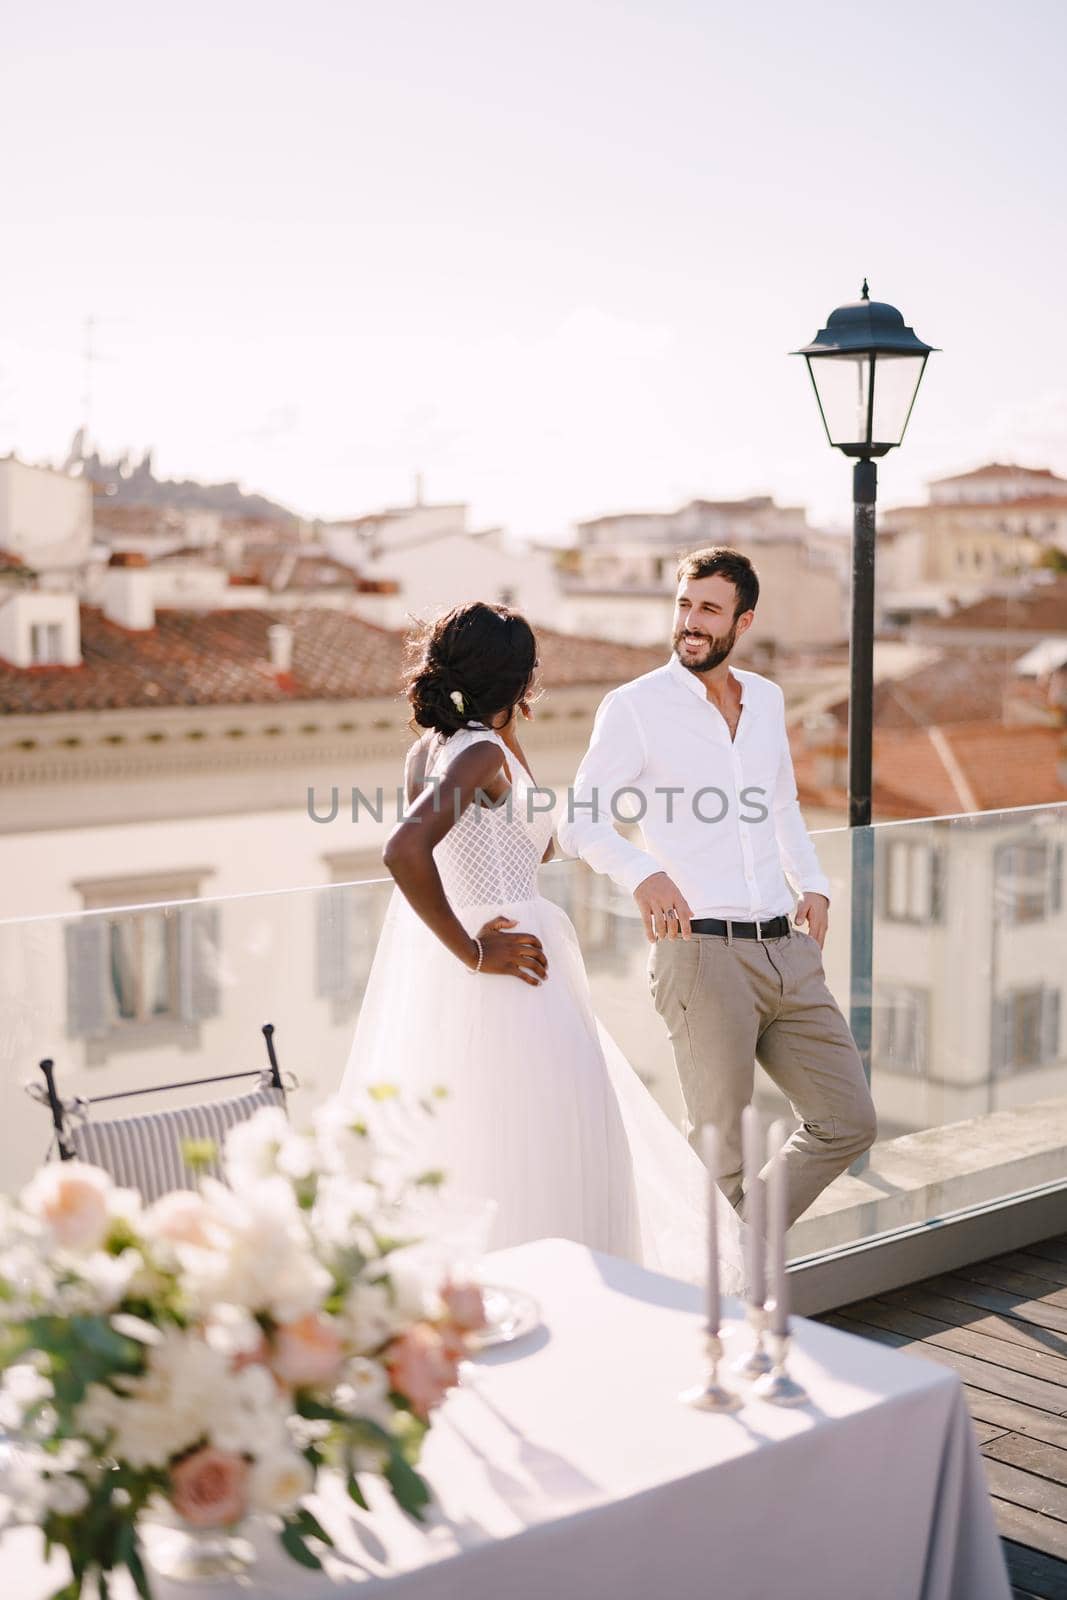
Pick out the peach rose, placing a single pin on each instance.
(465, 1305)
(421, 1367)
(209, 1489)
(257, 1356)
(308, 1351)
(72, 1198)
(180, 1217)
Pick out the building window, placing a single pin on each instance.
(912, 881)
(1028, 881)
(138, 966)
(46, 643)
(901, 1029)
(1026, 1029)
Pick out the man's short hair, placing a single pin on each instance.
(726, 563)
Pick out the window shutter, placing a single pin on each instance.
(922, 1018)
(86, 955)
(199, 953)
(1055, 885)
(999, 1045)
(937, 884)
(334, 976)
(1050, 1027)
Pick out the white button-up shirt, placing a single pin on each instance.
(719, 815)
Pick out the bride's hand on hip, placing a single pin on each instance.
(664, 909)
(515, 955)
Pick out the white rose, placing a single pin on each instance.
(414, 1275)
(250, 1150)
(369, 1315)
(109, 1277)
(21, 1387)
(180, 1217)
(66, 1496)
(279, 1482)
(364, 1390)
(72, 1199)
(264, 1260)
(233, 1332)
(298, 1156)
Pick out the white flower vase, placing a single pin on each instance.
(187, 1554)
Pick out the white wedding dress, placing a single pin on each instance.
(543, 1114)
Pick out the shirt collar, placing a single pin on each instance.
(691, 682)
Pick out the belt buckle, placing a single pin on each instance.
(759, 935)
(729, 931)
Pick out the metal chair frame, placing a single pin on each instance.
(60, 1108)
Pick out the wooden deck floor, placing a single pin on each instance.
(1002, 1325)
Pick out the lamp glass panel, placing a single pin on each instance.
(842, 383)
(896, 379)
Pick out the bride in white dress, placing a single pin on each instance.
(543, 1112)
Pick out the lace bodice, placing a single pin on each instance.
(491, 855)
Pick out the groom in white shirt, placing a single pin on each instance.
(697, 752)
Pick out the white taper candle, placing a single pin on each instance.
(755, 1205)
(777, 1227)
(709, 1139)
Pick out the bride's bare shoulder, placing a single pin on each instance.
(425, 748)
(416, 761)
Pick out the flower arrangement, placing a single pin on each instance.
(214, 1350)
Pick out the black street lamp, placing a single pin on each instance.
(865, 367)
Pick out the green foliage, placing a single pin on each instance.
(411, 1490)
(81, 1351)
(294, 1545)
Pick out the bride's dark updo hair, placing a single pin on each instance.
(485, 653)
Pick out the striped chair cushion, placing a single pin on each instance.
(145, 1152)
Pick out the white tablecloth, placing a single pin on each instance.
(568, 1468)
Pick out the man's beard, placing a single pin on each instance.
(717, 650)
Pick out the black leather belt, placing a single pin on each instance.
(772, 929)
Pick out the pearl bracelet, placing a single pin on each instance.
(481, 953)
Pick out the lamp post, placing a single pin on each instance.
(865, 367)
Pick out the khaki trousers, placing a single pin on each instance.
(727, 1005)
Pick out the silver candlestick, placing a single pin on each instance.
(776, 1385)
(757, 1362)
(711, 1395)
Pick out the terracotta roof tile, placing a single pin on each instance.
(986, 508)
(198, 658)
(1002, 767)
(1042, 609)
(1000, 469)
(965, 685)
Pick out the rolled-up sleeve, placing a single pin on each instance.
(799, 861)
(614, 761)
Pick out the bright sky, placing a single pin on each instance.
(550, 254)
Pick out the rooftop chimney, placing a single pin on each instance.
(280, 644)
(128, 593)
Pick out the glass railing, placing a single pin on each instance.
(961, 921)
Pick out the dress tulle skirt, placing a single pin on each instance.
(543, 1112)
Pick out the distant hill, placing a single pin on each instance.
(126, 482)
